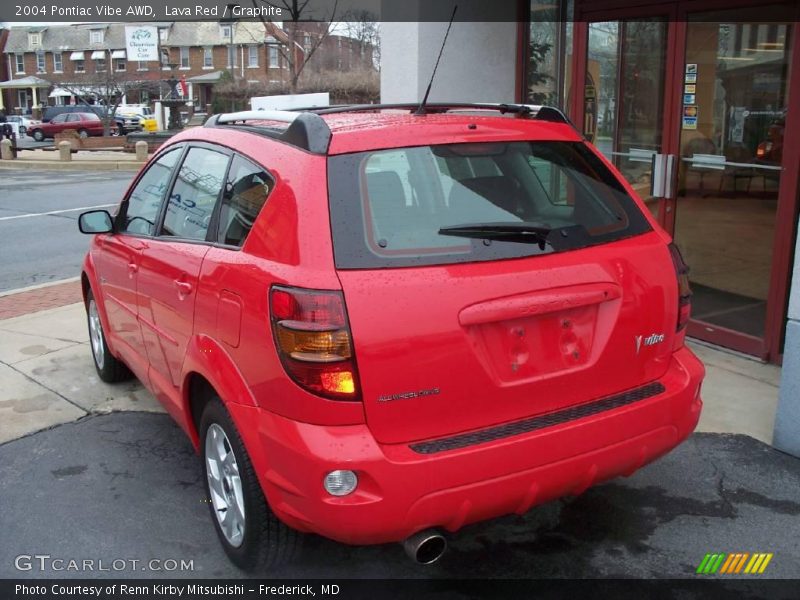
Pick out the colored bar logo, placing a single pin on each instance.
(737, 563)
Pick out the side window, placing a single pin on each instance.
(72, 118)
(194, 194)
(59, 118)
(245, 194)
(143, 204)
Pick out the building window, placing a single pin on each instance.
(184, 57)
(100, 65)
(252, 56)
(273, 57)
(34, 40)
(307, 44)
(231, 57)
(141, 65)
(20, 63)
(121, 64)
(58, 62)
(96, 36)
(225, 31)
(163, 33)
(40, 68)
(208, 58)
(80, 66)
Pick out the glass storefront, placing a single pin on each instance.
(730, 169)
(671, 92)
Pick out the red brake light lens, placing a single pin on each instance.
(684, 290)
(313, 340)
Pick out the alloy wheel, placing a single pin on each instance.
(96, 334)
(225, 485)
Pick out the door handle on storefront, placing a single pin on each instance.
(184, 287)
(663, 175)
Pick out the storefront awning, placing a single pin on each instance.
(118, 54)
(76, 56)
(98, 54)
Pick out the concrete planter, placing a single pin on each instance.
(90, 143)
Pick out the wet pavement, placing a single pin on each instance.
(128, 486)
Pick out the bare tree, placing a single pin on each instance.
(105, 87)
(360, 25)
(294, 49)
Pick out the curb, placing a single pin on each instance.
(39, 286)
(74, 165)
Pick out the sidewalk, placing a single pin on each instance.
(83, 160)
(48, 377)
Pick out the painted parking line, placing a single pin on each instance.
(55, 212)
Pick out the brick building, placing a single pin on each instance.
(51, 65)
(48, 65)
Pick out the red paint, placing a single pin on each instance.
(568, 322)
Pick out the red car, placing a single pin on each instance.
(85, 123)
(378, 325)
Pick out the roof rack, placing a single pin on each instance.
(535, 111)
(307, 130)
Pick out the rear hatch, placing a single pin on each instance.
(487, 283)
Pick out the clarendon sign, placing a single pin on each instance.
(141, 43)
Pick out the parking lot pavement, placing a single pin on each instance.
(46, 372)
(128, 486)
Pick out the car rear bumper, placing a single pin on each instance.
(401, 491)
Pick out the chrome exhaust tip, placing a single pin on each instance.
(425, 547)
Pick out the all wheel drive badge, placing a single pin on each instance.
(650, 340)
(408, 395)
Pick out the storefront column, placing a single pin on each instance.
(35, 98)
(786, 436)
(478, 62)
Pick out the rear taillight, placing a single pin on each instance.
(684, 291)
(313, 339)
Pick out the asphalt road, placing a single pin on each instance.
(36, 247)
(129, 486)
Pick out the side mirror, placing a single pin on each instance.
(96, 221)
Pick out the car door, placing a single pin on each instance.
(73, 122)
(56, 124)
(117, 259)
(171, 264)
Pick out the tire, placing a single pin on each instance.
(38, 135)
(255, 539)
(83, 134)
(109, 368)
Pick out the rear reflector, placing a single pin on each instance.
(313, 340)
(684, 290)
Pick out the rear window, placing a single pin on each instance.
(471, 202)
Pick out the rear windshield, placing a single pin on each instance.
(473, 202)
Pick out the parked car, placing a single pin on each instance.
(85, 124)
(379, 326)
(23, 123)
(100, 110)
(137, 117)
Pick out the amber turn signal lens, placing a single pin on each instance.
(313, 346)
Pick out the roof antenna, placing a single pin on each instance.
(421, 108)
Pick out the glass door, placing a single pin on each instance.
(732, 129)
(624, 96)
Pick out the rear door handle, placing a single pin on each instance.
(184, 287)
(133, 267)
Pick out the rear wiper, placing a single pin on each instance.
(522, 232)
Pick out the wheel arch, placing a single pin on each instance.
(210, 372)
